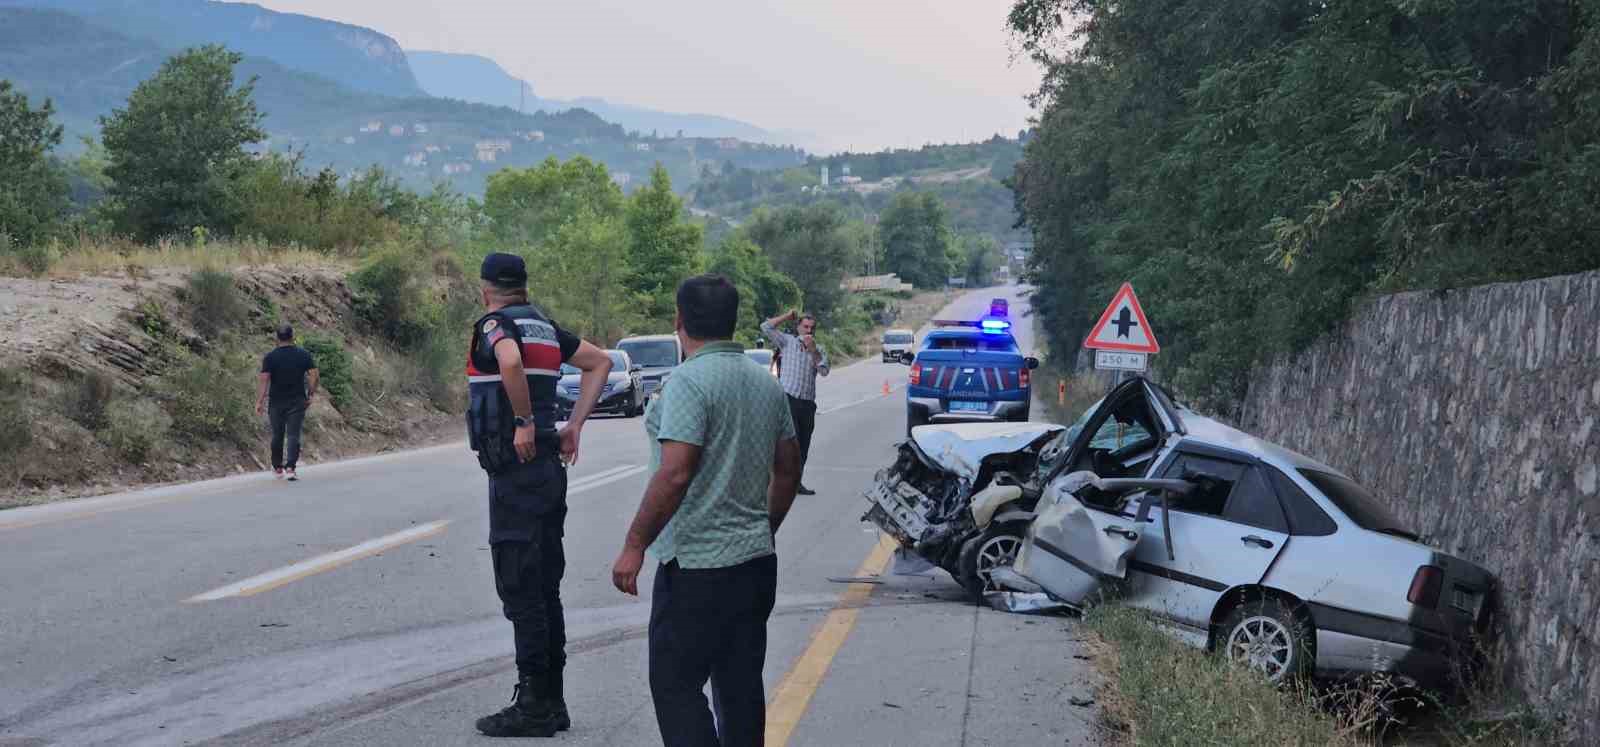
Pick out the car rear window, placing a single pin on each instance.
(1356, 502)
(994, 344)
(655, 354)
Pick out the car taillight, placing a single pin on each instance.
(916, 374)
(1425, 587)
(1026, 379)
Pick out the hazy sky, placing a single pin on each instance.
(862, 73)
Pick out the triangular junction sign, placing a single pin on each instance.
(1123, 326)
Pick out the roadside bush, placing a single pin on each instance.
(215, 302)
(133, 428)
(391, 298)
(34, 259)
(335, 367)
(16, 429)
(211, 399)
(87, 398)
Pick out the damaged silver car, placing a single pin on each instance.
(1235, 544)
(962, 496)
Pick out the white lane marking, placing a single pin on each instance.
(273, 579)
(863, 400)
(580, 482)
(592, 483)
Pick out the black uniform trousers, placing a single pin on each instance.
(527, 517)
(286, 418)
(804, 414)
(711, 623)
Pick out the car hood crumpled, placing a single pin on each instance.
(960, 448)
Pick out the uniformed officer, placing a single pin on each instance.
(512, 369)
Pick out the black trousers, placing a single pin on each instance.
(804, 413)
(711, 624)
(528, 577)
(286, 419)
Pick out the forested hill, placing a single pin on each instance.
(968, 178)
(360, 58)
(87, 70)
(482, 81)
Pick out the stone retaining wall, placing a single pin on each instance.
(1474, 413)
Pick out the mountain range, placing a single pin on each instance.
(364, 59)
(481, 80)
(87, 67)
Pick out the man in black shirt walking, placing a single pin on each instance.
(289, 376)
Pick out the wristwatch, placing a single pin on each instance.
(523, 422)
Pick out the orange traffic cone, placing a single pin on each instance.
(885, 387)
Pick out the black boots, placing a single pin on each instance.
(556, 702)
(529, 715)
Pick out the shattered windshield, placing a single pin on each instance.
(1356, 502)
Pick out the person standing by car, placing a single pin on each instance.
(725, 465)
(800, 361)
(512, 367)
(284, 390)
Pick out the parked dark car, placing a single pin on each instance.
(624, 393)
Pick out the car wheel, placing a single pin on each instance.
(1267, 636)
(996, 547)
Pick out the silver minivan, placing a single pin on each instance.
(896, 342)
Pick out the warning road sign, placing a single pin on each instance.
(1123, 326)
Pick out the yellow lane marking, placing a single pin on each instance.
(793, 694)
(312, 566)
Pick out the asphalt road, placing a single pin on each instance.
(357, 607)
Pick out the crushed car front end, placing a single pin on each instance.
(952, 488)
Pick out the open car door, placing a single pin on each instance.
(1083, 536)
(1084, 532)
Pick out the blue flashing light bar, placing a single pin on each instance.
(989, 325)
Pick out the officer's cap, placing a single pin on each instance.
(505, 270)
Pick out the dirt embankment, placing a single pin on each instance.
(135, 333)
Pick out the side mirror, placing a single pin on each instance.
(1031, 362)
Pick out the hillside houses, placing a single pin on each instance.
(451, 169)
(372, 126)
(397, 131)
(416, 159)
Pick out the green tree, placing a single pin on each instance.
(526, 206)
(662, 248)
(981, 256)
(808, 244)
(917, 243)
(33, 191)
(764, 292)
(583, 280)
(1268, 163)
(177, 150)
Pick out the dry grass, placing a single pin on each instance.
(1167, 693)
(914, 312)
(97, 257)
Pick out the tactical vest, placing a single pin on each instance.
(490, 424)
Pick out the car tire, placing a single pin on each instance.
(1268, 636)
(996, 547)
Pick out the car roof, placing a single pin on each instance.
(897, 331)
(1208, 431)
(648, 338)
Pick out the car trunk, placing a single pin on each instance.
(963, 376)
